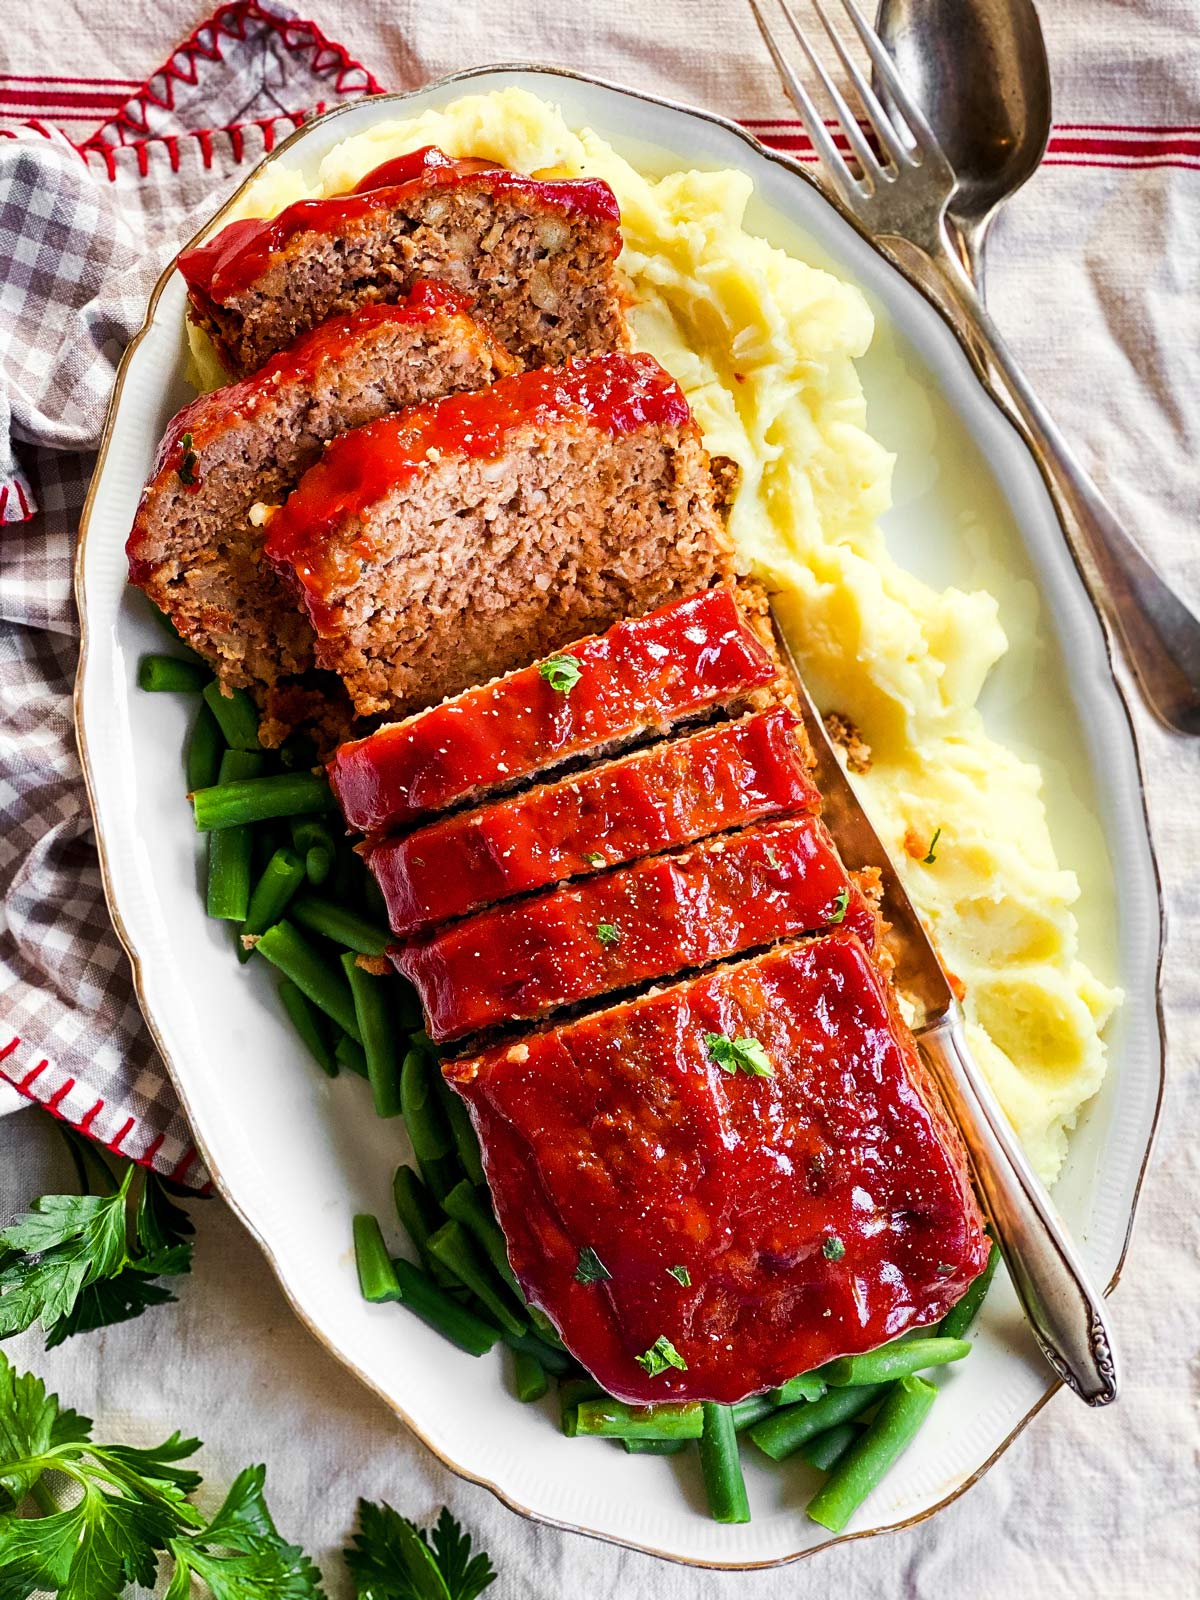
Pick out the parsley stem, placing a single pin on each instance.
(721, 1466)
(892, 1361)
(868, 1460)
(42, 1498)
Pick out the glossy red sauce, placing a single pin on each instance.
(641, 675)
(620, 1133)
(236, 257)
(652, 920)
(667, 795)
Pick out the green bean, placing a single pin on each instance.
(427, 1130)
(826, 1449)
(654, 1447)
(327, 988)
(460, 1325)
(376, 1274)
(893, 1361)
(751, 1410)
(451, 1245)
(571, 1395)
(237, 715)
(348, 1053)
(805, 1387)
(281, 877)
(721, 1466)
(417, 1209)
(868, 1459)
(466, 1205)
(172, 675)
(307, 1022)
(544, 1328)
(531, 1380)
(283, 794)
(960, 1317)
(461, 1131)
(342, 926)
(779, 1435)
(378, 1040)
(613, 1419)
(318, 863)
(311, 833)
(205, 747)
(556, 1362)
(230, 853)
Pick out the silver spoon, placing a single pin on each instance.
(978, 70)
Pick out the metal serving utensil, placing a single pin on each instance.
(1064, 1307)
(903, 197)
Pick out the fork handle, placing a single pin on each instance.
(1064, 1308)
(1160, 633)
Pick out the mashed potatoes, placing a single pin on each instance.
(765, 347)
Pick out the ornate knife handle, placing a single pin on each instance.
(1064, 1308)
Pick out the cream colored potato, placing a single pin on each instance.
(765, 346)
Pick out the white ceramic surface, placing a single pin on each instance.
(297, 1155)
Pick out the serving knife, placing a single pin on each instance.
(1064, 1308)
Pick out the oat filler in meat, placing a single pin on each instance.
(537, 257)
(457, 540)
(195, 548)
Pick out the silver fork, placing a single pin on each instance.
(903, 196)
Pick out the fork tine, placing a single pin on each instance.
(854, 134)
(885, 129)
(836, 170)
(923, 135)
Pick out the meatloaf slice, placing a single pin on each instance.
(194, 547)
(457, 540)
(764, 1206)
(642, 677)
(659, 917)
(653, 799)
(537, 257)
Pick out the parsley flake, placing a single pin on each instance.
(608, 933)
(594, 858)
(833, 1249)
(661, 1355)
(945, 1269)
(189, 463)
(930, 858)
(590, 1269)
(840, 906)
(681, 1275)
(562, 673)
(745, 1054)
(771, 858)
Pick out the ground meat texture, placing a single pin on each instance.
(662, 916)
(642, 677)
(455, 541)
(818, 1210)
(666, 795)
(538, 258)
(195, 548)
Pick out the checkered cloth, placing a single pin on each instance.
(85, 231)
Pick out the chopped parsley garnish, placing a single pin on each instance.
(840, 906)
(929, 858)
(594, 858)
(661, 1355)
(681, 1275)
(590, 1269)
(833, 1249)
(187, 467)
(772, 858)
(608, 933)
(733, 1055)
(562, 673)
(945, 1269)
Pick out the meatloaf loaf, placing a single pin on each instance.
(758, 1161)
(653, 799)
(642, 677)
(467, 537)
(537, 257)
(195, 548)
(615, 931)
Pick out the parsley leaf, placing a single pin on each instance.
(392, 1559)
(188, 463)
(562, 673)
(661, 1355)
(745, 1054)
(240, 1554)
(771, 858)
(608, 933)
(594, 858)
(840, 906)
(930, 857)
(681, 1275)
(833, 1249)
(590, 1269)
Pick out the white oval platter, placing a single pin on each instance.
(296, 1155)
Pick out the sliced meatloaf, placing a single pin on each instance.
(615, 931)
(196, 548)
(537, 257)
(653, 799)
(642, 677)
(461, 539)
(756, 1157)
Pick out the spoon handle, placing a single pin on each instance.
(1160, 633)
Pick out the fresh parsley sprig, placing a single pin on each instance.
(392, 1559)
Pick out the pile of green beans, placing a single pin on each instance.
(303, 901)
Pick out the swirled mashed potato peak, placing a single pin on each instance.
(765, 347)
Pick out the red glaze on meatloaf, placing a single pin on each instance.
(640, 677)
(654, 799)
(537, 255)
(818, 1211)
(659, 917)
